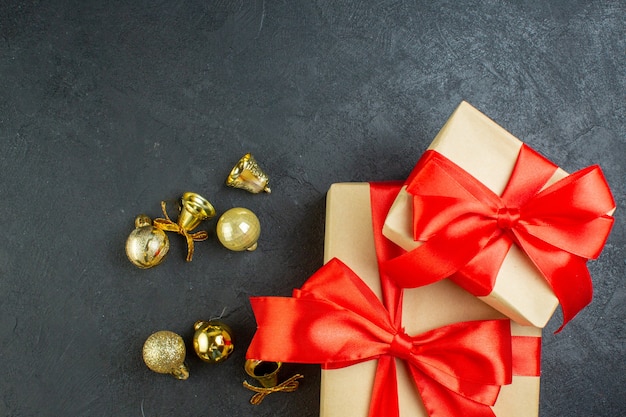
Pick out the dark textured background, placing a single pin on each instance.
(106, 108)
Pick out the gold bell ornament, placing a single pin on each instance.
(267, 374)
(194, 209)
(263, 371)
(212, 341)
(248, 176)
(147, 245)
(164, 353)
(238, 229)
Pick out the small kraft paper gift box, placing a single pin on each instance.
(500, 220)
(386, 352)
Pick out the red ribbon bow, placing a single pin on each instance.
(335, 320)
(468, 229)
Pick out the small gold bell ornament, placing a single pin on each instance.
(212, 341)
(263, 371)
(267, 374)
(164, 353)
(238, 229)
(147, 245)
(248, 176)
(194, 209)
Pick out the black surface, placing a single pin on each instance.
(106, 108)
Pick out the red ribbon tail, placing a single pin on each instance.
(566, 273)
(385, 391)
(526, 355)
(442, 402)
(573, 288)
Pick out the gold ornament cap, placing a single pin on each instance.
(147, 245)
(238, 229)
(248, 176)
(164, 353)
(213, 341)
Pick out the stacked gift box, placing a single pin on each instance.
(435, 290)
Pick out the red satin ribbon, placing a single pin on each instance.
(336, 320)
(468, 229)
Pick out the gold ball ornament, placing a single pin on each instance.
(164, 353)
(146, 246)
(238, 229)
(212, 341)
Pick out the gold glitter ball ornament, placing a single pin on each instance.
(213, 341)
(147, 245)
(238, 229)
(164, 353)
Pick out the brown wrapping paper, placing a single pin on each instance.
(488, 152)
(347, 391)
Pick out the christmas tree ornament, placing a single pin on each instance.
(238, 229)
(263, 371)
(194, 209)
(212, 341)
(248, 176)
(164, 353)
(267, 375)
(147, 245)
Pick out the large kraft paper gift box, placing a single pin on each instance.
(347, 391)
(487, 152)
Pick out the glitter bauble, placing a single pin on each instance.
(164, 353)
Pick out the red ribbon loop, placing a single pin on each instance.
(468, 229)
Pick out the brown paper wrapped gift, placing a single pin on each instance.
(347, 391)
(486, 151)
